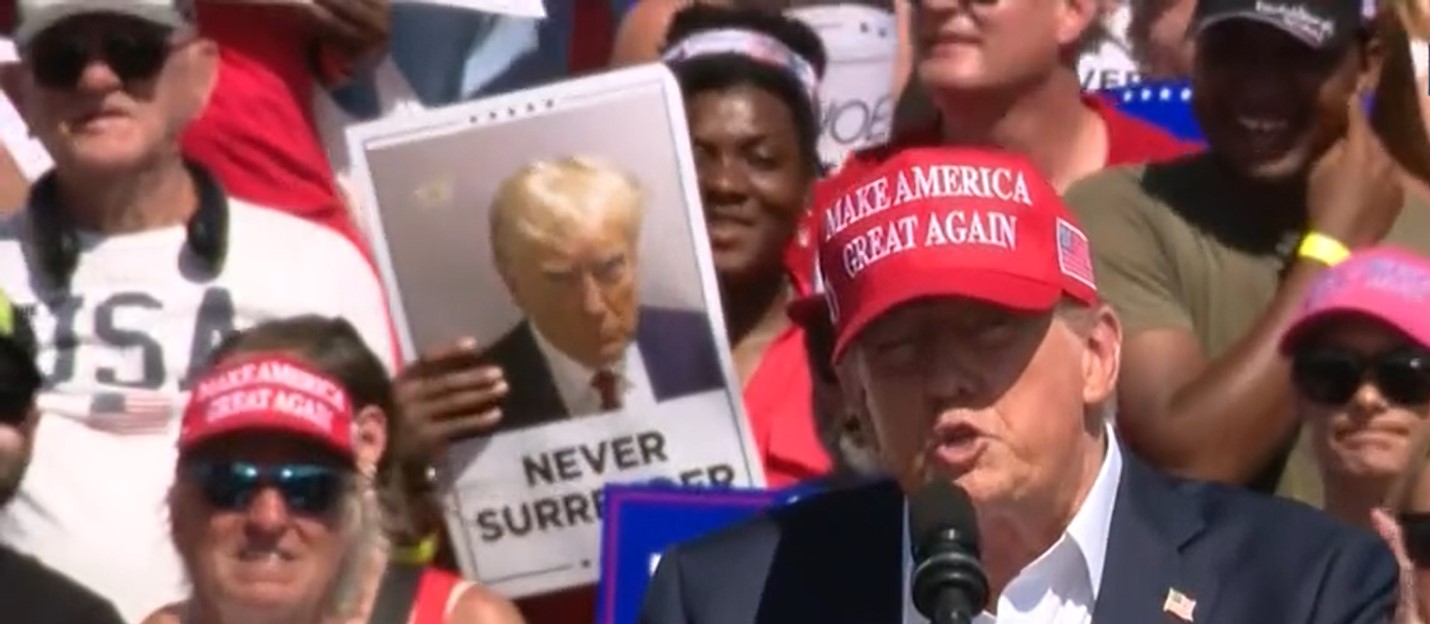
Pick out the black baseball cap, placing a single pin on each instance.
(20, 378)
(1320, 24)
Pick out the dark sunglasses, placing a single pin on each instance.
(305, 488)
(133, 54)
(1415, 533)
(1333, 376)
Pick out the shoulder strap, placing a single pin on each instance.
(434, 595)
(397, 594)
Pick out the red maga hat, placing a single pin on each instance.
(273, 393)
(945, 222)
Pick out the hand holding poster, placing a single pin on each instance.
(561, 228)
(856, 96)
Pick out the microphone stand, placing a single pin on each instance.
(953, 616)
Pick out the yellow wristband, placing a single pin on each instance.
(421, 554)
(1324, 249)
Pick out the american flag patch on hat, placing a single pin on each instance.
(1074, 254)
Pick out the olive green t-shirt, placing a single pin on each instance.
(1174, 248)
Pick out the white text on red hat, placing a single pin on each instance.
(289, 403)
(927, 182)
(933, 228)
(272, 372)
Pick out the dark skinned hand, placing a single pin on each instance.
(449, 394)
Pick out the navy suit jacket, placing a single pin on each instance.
(679, 353)
(837, 558)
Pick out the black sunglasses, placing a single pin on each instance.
(1333, 376)
(305, 488)
(1415, 533)
(133, 54)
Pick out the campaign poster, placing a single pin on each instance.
(643, 521)
(856, 95)
(560, 227)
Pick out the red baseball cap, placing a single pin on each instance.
(271, 392)
(934, 222)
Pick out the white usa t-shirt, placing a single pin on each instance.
(117, 353)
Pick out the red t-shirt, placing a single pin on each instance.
(257, 134)
(1129, 141)
(780, 405)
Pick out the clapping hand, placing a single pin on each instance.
(1407, 608)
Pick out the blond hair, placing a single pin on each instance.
(542, 201)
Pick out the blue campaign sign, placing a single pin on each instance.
(1165, 104)
(642, 521)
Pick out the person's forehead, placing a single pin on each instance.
(742, 102)
(1356, 331)
(564, 234)
(104, 23)
(265, 447)
(953, 311)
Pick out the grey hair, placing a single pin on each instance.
(363, 527)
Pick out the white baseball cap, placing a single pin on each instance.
(35, 16)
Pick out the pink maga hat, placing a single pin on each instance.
(944, 222)
(1386, 283)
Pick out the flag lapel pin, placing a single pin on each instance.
(1179, 605)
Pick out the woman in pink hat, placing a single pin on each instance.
(1360, 367)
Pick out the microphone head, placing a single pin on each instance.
(947, 578)
(940, 512)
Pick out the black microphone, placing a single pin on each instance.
(947, 583)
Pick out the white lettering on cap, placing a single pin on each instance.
(272, 372)
(925, 182)
(279, 402)
(953, 227)
(237, 402)
(1315, 27)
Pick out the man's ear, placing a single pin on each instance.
(1102, 356)
(1077, 21)
(371, 439)
(201, 61)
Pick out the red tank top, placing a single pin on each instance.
(434, 593)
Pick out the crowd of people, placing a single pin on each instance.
(1175, 379)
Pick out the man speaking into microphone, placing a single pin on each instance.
(974, 348)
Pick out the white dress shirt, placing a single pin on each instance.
(1060, 586)
(573, 379)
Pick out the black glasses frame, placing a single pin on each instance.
(306, 488)
(1333, 376)
(58, 58)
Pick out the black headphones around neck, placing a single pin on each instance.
(58, 245)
